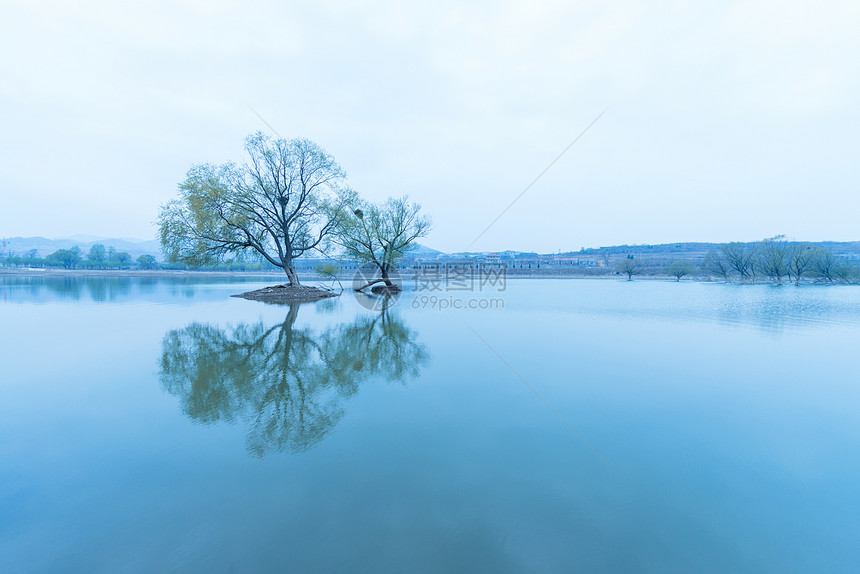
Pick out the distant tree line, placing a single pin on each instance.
(108, 258)
(775, 259)
(98, 257)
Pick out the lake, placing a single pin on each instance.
(156, 424)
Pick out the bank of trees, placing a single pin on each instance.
(99, 256)
(776, 260)
(773, 260)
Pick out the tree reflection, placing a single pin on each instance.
(288, 384)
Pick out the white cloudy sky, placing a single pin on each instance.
(726, 120)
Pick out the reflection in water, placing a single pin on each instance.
(775, 309)
(73, 288)
(287, 384)
(104, 288)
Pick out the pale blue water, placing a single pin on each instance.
(589, 425)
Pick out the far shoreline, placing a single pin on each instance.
(279, 278)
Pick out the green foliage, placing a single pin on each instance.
(120, 259)
(327, 270)
(147, 262)
(107, 258)
(680, 269)
(288, 384)
(35, 262)
(97, 255)
(284, 201)
(331, 272)
(68, 258)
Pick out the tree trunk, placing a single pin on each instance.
(368, 284)
(292, 275)
(384, 279)
(385, 276)
(291, 316)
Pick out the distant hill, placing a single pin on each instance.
(423, 251)
(44, 246)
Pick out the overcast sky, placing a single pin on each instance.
(725, 120)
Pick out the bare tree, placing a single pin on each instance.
(741, 258)
(801, 260)
(773, 257)
(716, 264)
(605, 255)
(283, 202)
(825, 265)
(629, 266)
(847, 272)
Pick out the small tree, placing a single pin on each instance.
(629, 266)
(329, 271)
(680, 269)
(381, 234)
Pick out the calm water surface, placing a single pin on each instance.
(154, 425)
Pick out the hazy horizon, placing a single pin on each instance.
(724, 123)
(89, 239)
